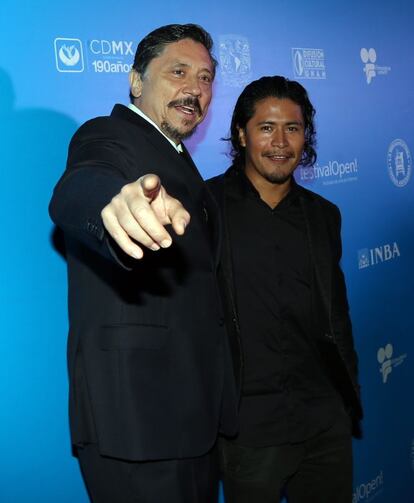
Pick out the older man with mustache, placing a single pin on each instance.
(149, 366)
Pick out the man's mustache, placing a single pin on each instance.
(277, 153)
(186, 102)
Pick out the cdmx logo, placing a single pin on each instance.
(69, 55)
(373, 256)
(235, 61)
(387, 362)
(102, 56)
(399, 163)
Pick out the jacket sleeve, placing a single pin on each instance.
(341, 321)
(98, 164)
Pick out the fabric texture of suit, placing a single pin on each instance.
(331, 334)
(149, 365)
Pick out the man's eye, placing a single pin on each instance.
(178, 72)
(266, 129)
(293, 129)
(206, 78)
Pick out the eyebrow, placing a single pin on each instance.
(273, 123)
(186, 65)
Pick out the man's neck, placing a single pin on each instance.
(137, 110)
(270, 193)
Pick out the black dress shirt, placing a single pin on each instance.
(286, 396)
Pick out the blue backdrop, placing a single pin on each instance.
(61, 64)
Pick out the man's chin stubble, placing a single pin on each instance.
(278, 179)
(174, 133)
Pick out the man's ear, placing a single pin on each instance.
(135, 83)
(242, 137)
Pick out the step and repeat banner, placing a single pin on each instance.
(63, 63)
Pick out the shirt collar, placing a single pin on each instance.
(248, 189)
(138, 111)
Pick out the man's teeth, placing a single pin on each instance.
(186, 109)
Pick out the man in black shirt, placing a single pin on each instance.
(280, 264)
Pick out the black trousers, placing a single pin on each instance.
(110, 480)
(318, 470)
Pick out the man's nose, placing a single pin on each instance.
(279, 138)
(192, 86)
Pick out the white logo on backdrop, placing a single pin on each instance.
(331, 173)
(371, 70)
(387, 362)
(399, 163)
(111, 48)
(308, 63)
(69, 55)
(235, 62)
(369, 57)
(363, 258)
(373, 256)
(367, 491)
(102, 56)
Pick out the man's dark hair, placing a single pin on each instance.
(154, 43)
(276, 87)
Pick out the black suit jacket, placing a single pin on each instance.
(147, 352)
(332, 331)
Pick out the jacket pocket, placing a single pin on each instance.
(115, 337)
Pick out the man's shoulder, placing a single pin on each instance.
(120, 117)
(223, 178)
(221, 184)
(215, 181)
(122, 126)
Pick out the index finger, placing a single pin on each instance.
(151, 186)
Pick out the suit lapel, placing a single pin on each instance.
(186, 170)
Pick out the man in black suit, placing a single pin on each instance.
(149, 367)
(298, 377)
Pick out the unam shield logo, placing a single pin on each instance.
(69, 55)
(399, 163)
(235, 60)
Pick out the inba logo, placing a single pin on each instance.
(373, 256)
